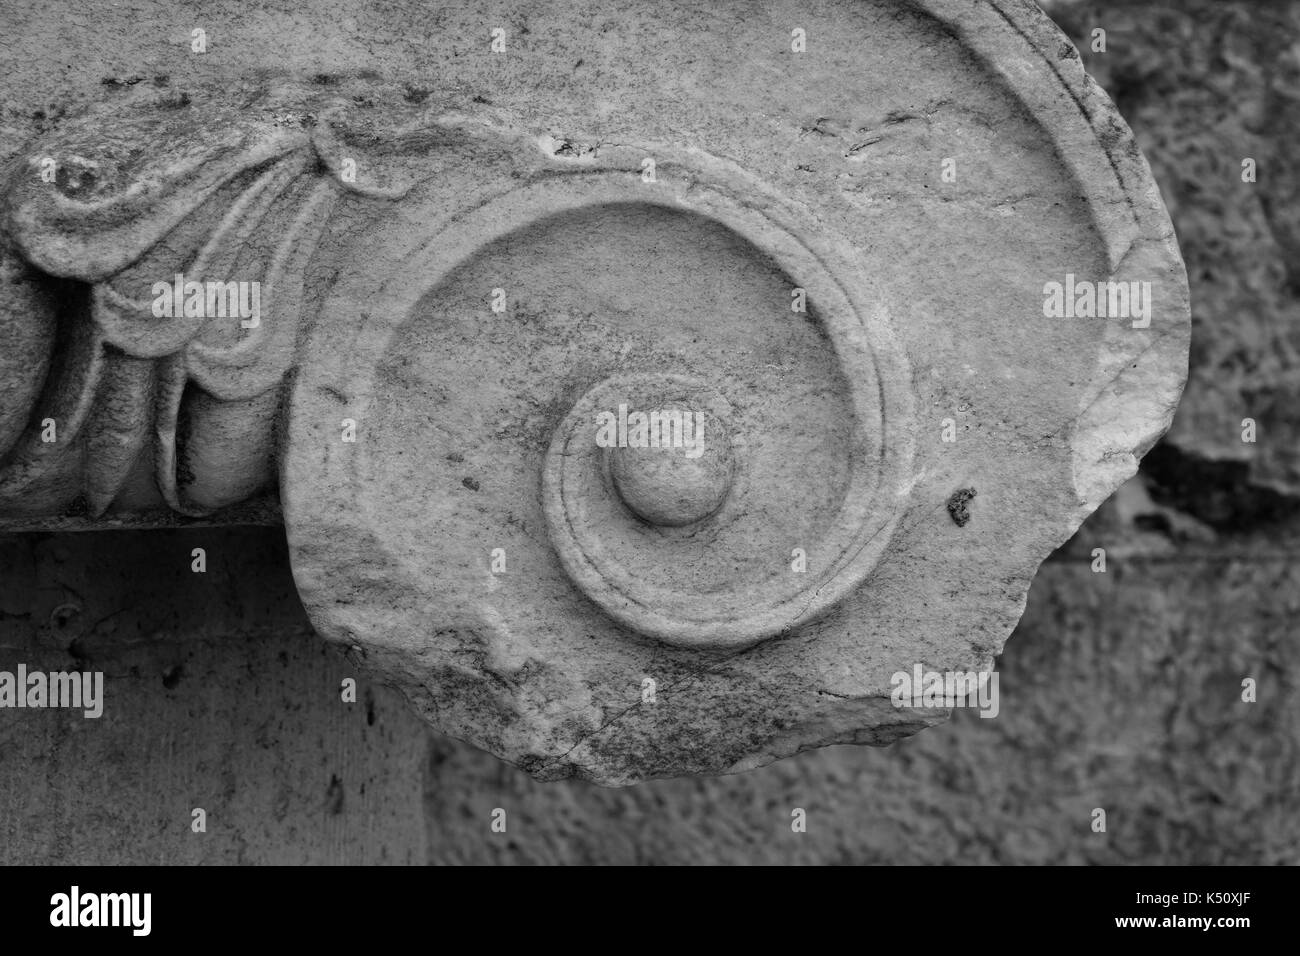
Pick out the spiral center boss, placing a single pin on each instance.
(671, 465)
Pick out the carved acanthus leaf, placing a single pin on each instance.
(144, 193)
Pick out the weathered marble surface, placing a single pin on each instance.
(469, 544)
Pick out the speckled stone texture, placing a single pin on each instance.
(1199, 598)
(837, 256)
(624, 293)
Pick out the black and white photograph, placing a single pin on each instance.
(650, 433)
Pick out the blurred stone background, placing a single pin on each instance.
(1119, 690)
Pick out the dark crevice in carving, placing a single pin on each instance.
(69, 300)
(184, 437)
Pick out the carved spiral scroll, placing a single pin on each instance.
(813, 485)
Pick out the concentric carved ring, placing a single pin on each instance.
(709, 519)
(786, 506)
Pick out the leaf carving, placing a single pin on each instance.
(146, 193)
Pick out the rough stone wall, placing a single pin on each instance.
(218, 696)
(1119, 690)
